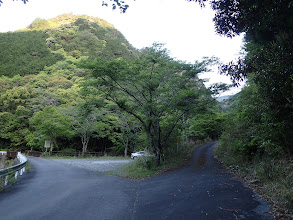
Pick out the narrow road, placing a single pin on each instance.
(201, 190)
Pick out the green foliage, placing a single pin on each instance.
(87, 37)
(250, 131)
(88, 121)
(51, 124)
(263, 119)
(145, 167)
(234, 17)
(40, 70)
(29, 52)
(24, 53)
(207, 125)
(146, 163)
(140, 170)
(15, 113)
(41, 96)
(39, 24)
(154, 89)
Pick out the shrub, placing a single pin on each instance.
(146, 162)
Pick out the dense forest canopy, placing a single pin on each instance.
(76, 82)
(266, 66)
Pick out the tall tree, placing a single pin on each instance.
(154, 88)
(51, 124)
(128, 127)
(15, 113)
(86, 120)
(268, 62)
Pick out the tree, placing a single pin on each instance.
(129, 128)
(51, 124)
(154, 89)
(268, 63)
(261, 20)
(15, 112)
(85, 120)
(14, 126)
(206, 124)
(117, 4)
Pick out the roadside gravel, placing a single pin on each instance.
(99, 165)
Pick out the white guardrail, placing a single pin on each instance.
(18, 169)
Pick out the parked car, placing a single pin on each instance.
(139, 154)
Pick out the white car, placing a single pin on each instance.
(139, 154)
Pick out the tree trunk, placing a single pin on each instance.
(158, 157)
(159, 146)
(84, 141)
(51, 146)
(152, 143)
(155, 141)
(126, 147)
(84, 148)
(185, 128)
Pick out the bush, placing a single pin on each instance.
(146, 162)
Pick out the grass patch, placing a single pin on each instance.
(28, 166)
(8, 163)
(140, 168)
(11, 180)
(145, 167)
(272, 178)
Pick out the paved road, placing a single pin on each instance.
(201, 190)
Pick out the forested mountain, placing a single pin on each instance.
(45, 42)
(39, 67)
(76, 82)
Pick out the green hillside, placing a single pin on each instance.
(45, 42)
(24, 53)
(76, 82)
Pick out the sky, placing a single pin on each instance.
(186, 29)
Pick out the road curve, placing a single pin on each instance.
(201, 190)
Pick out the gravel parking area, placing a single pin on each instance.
(99, 165)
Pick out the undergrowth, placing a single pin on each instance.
(145, 167)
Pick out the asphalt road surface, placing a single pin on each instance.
(201, 190)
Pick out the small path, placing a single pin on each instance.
(201, 190)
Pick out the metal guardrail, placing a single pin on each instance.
(18, 169)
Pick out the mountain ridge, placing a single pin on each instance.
(45, 42)
(42, 24)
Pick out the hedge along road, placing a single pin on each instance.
(201, 190)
